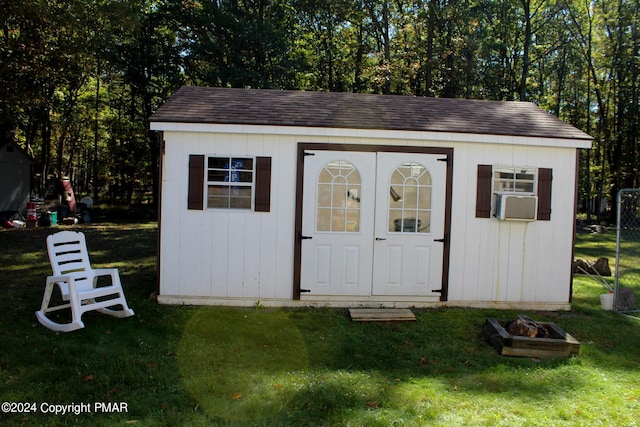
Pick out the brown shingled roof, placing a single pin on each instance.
(191, 104)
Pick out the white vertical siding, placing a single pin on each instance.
(227, 253)
(244, 254)
(512, 261)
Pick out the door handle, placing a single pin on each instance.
(380, 238)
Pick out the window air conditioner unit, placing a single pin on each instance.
(516, 207)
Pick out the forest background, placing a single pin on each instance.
(80, 78)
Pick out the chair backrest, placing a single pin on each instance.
(69, 257)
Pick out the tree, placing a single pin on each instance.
(79, 78)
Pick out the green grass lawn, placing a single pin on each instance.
(296, 367)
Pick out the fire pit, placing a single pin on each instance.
(541, 339)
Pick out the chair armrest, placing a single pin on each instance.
(105, 271)
(59, 280)
(56, 279)
(113, 272)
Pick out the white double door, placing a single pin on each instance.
(373, 223)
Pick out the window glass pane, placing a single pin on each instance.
(424, 198)
(353, 220)
(346, 168)
(404, 170)
(240, 203)
(325, 176)
(218, 202)
(353, 178)
(333, 168)
(424, 178)
(353, 194)
(245, 176)
(324, 219)
(218, 162)
(505, 175)
(217, 175)
(324, 195)
(395, 197)
(338, 221)
(395, 219)
(218, 196)
(525, 176)
(501, 185)
(339, 196)
(240, 192)
(425, 221)
(524, 186)
(397, 178)
(218, 191)
(241, 163)
(417, 170)
(410, 195)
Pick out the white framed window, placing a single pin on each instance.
(514, 193)
(514, 179)
(230, 182)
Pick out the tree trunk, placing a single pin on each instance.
(526, 5)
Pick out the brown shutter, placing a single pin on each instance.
(545, 177)
(483, 191)
(195, 197)
(263, 184)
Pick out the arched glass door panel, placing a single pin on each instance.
(338, 198)
(410, 199)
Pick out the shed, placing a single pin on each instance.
(288, 198)
(15, 178)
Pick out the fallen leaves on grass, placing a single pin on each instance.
(113, 390)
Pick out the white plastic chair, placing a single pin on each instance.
(78, 283)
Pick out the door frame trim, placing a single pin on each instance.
(315, 146)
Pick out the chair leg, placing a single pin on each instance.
(46, 298)
(58, 327)
(41, 314)
(124, 312)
